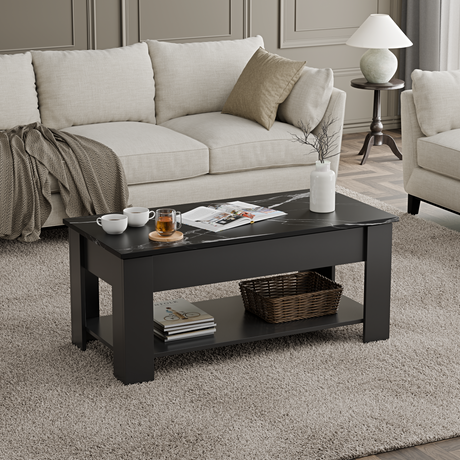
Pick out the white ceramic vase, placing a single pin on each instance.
(322, 188)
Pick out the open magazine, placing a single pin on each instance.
(222, 216)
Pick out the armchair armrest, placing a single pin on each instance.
(411, 132)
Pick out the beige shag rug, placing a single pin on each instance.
(318, 396)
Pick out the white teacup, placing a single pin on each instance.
(138, 216)
(114, 224)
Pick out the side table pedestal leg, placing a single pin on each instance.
(368, 143)
(388, 140)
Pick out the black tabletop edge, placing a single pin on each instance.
(87, 227)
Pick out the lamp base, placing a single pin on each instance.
(378, 65)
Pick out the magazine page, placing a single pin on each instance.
(215, 217)
(256, 212)
(222, 216)
(199, 213)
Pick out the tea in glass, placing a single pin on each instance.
(167, 221)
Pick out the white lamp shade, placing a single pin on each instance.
(379, 31)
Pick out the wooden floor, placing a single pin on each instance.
(441, 450)
(381, 178)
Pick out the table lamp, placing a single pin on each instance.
(379, 33)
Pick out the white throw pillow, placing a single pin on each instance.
(95, 86)
(18, 96)
(309, 98)
(437, 100)
(195, 78)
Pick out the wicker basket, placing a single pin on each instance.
(279, 299)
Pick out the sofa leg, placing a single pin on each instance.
(413, 204)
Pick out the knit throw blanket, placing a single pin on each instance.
(90, 176)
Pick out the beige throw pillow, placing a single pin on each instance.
(265, 82)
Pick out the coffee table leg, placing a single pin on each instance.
(132, 306)
(377, 283)
(84, 291)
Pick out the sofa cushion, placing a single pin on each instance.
(95, 86)
(237, 144)
(440, 153)
(437, 100)
(265, 82)
(150, 153)
(18, 95)
(195, 78)
(309, 98)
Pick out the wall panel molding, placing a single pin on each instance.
(363, 126)
(294, 35)
(247, 18)
(72, 44)
(108, 25)
(124, 23)
(91, 24)
(394, 96)
(352, 72)
(232, 29)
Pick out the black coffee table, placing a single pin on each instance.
(136, 267)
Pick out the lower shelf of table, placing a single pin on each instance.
(235, 325)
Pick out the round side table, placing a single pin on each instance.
(376, 136)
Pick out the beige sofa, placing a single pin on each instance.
(430, 121)
(158, 106)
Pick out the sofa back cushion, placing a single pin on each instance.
(309, 98)
(437, 100)
(193, 78)
(18, 96)
(95, 86)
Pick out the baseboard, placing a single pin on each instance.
(364, 126)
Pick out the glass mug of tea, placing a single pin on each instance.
(167, 221)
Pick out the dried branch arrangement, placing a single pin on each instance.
(323, 143)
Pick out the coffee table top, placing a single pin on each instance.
(134, 242)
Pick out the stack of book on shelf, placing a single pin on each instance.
(179, 319)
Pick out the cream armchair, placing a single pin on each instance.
(430, 121)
